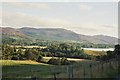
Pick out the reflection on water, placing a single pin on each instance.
(99, 49)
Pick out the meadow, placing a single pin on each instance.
(80, 69)
(24, 65)
(28, 68)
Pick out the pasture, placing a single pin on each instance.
(80, 69)
(23, 69)
(28, 68)
(95, 53)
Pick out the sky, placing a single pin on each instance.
(88, 18)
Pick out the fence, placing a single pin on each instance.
(82, 69)
(103, 69)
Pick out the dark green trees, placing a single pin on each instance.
(14, 53)
(111, 54)
(117, 49)
(66, 50)
(59, 61)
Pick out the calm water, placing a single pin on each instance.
(99, 49)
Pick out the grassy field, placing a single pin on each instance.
(28, 68)
(70, 59)
(23, 69)
(95, 53)
(81, 69)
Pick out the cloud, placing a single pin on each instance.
(9, 0)
(22, 19)
(110, 26)
(84, 7)
(29, 5)
(17, 19)
(91, 28)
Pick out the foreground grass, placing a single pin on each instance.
(26, 68)
(81, 69)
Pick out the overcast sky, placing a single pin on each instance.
(89, 18)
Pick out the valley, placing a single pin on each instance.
(26, 53)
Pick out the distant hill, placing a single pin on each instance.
(100, 39)
(50, 33)
(107, 39)
(57, 34)
(11, 32)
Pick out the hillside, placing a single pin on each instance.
(11, 32)
(56, 34)
(10, 35)
(107, 39)
(50, 34)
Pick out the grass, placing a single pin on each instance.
(28, 69)
(70, 59)
(95, 53)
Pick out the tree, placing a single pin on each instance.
(64, 61)
(29, 55)
(39, 58)
(117, 49)
(19, 54)
(54, 61)
(110, 54)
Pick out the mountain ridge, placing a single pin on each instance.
(59, 34)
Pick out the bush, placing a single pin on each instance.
(54, 61)
(14, 58)
(39, 58)
(58, 61)
(64, 61)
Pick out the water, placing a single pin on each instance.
(99, 49)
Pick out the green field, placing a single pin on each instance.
(23, 69)
(81, 68)
(12, 68)
(95, 53)
(29, 69)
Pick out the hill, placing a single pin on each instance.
(11, 32)
(56, 34)
(10, 35)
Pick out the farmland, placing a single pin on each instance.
(57, 62)
(29, 69)
(23, 69)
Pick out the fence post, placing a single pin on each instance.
(33, 78)
(110, 64)
(90, 66)
(84, 72)
(54, 72)
(54, 76)
(102, 68)
(98, 66)
(70, 71)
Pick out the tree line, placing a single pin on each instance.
(110, 54)
(37, 42)
(63, 51)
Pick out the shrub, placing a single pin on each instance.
(54, 61)
(58, 61)
(14, 58)
(39, 58)
(64, 61)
